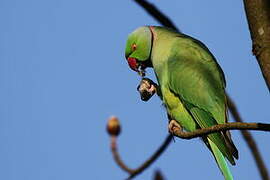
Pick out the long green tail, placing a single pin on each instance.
(222, 164)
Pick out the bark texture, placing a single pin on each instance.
(258, 16)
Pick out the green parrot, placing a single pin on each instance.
(191, 84)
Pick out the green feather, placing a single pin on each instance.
(205, 120)
(221, 161)
(143, 44)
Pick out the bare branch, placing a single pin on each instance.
(220, 127)
(117, 157)
(258, 16)
(134, 172)
(156, 14)
(148, 162)
(114, 129)
(250, 142)
(158, 175)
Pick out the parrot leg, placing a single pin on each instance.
(173, 124)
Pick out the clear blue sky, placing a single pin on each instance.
(63, 73)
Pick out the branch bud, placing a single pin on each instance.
(113, 126)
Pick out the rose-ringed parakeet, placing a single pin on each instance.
(191, 84)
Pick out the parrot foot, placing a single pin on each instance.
(146, 88)
(173, 124)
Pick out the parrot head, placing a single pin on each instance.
(138, 49)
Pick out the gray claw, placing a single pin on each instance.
(146, 89)
(172, 125)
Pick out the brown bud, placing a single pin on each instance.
(113, 126)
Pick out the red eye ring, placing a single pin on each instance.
(133, 47)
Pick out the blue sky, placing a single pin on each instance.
(63, 73)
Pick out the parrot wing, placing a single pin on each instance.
(195, 77)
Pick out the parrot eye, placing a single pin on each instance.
(133, 47)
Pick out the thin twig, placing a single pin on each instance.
(134, 172)
(148, 162)
(220, 127)
(153, 11)
(250, 141)
(117, 157)
(158, 175)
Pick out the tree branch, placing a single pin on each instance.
(148, 162)
(113, 124)
(158, 175)
(134, 172)
(250, 141)
(156, 14)
(220, 127)
(117, 157)
(258, 16)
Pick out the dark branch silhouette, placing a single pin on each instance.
(114, 129)
(258, 16)
(117, 157)
(158, 175)
(155, 13)
(250, 142)
(150, 160)
(134, 172)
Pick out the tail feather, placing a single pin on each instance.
(220, 159)
(230, 144)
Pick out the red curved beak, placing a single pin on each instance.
(132, 62)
